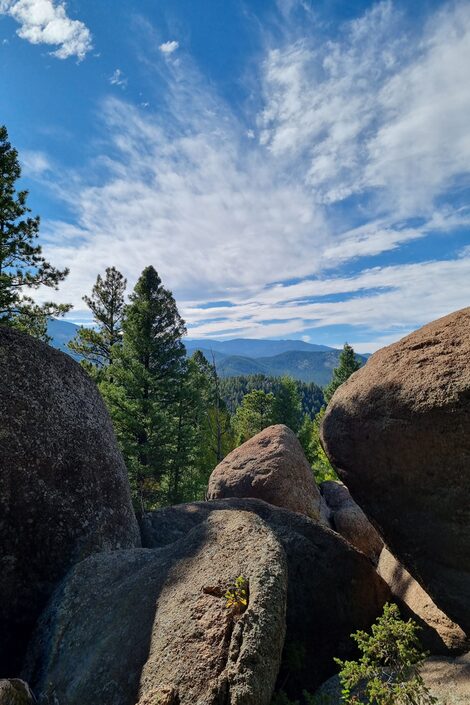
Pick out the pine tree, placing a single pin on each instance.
(287, 406)
(95, 345)
(143, 388)
(255, 413)
(22, 265)
(348, 363)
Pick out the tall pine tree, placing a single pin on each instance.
(22, 265)
(95, 345)
(348, 363)
(143, 388)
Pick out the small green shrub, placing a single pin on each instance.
(388, 672)
(237, 595)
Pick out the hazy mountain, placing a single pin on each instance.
(305, 366)
(61, 332)
(248, 347)
(244, 356)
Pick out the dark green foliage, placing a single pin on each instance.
(388, 671)
(255, 413)
(348, 363)
(309, 437)
(287, 404)
(94, 345)
(233, 389)
(22, 266)
(145, 388)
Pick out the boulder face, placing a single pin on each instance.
(63, 485)
(270, 466)
(439, 634)
(332, 588)
(398, 433)
(15, 692)
(169, 638)
(348, 519)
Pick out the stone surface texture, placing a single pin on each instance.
(270, 466)
(332, 588)
(398, 433)
(15, 692)
(63, 485)
(439, 633)
(151, 627)
(348, 519)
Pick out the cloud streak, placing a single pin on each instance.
(361, 142)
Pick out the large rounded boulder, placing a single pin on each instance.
(154, 627)
(270, 466)
(64, 492)
(398, 433)
(332, 589)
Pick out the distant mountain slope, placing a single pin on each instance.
(248, 347)
(303, 361)
(61, 333)
(305, 366)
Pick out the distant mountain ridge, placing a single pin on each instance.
(306, 362)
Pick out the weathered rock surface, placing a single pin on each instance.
(448, 680)
(332, 588)
(348, 519)
(15, 692)
(439, 633)
(63, 485)
(151, 627)
(398, 432)
(270, 466)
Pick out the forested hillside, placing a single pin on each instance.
(233, 389)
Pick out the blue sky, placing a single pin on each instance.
(292, 168)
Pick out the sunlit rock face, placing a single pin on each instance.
(398, 433)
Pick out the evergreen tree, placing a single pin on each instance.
(143, 388)
(309, 437)
(95, 345)
(22, 265)
(255, 413)
(287, 405)
(348, 363)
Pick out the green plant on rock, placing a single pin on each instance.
(388, 671)
(236, 595)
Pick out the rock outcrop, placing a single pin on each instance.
(63, 485)
(348, 519)
(270, 466)
(15, 692)
(151, 627)
(398, 433)
(332, 588)
(439, 634)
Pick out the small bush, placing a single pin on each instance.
(388, 672)
(237, 595)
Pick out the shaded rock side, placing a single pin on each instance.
(448, 680)
(151, 627)
(398, 433)
(63, 484)
(15, 692)
(348, 519)
(332, 588)
(270, 466)
(439, 633)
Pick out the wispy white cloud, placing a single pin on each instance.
(378, 116)
(118, 79)
(47, 22)
(34, 163)
(169, 47)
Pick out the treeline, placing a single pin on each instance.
(233, 389)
